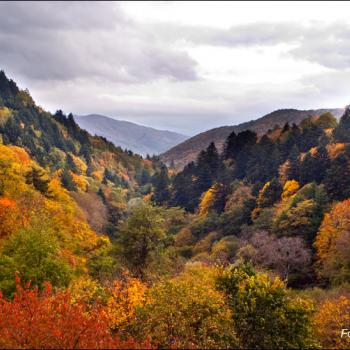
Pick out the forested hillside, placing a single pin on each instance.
(187, 151)
(100, 248)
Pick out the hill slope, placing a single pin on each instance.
(188, 150)
(138, 138)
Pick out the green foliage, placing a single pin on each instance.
(187, 312)
(142, 237)
(265, 316)
(34, 254)
(67, 180)
(39, 179)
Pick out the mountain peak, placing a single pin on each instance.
(138, 138)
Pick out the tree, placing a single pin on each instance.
(142, 237)
(235, 144)
(342, 132)
(268, 195)
(10, 217)
(289, 189)
(37, 177)
(314, 166)
(327, 121)
(187, 312)
(127, 294)
(67, 180)
(288, 256)
(263, 313)
(161, 183)
(34, 253)
(337, 179)
(43, 320)
(333, 316)
(293, 170)
(302, 213)
(207, 168)
(332, 242)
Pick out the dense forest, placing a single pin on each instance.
(101, 248)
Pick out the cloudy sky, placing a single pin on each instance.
(180, 66)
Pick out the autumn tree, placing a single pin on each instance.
(127, 294)
(263, 313)
(333, 316)
(10, 217)
(288, 256)
(187, 312)
(43, 320)
(332, 241)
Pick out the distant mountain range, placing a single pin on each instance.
(137, 138)
(188, 150)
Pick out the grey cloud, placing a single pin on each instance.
(71, 40)
(246, 35)
(325, 44)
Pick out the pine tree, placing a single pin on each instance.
(293, 171)
(161, 183)
(342, 131)
(337, 180)
(67, 180)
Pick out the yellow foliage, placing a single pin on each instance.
(290, 188)
(207, 201)
(80, 181)
(5, 114)
(85, 289)
(127, 294)
(79, 163)
(331, 318)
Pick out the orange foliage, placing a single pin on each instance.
(80, 181)
(52, 321)
(20, 154)
(331, 318)
(9, 216)
(334, 224)
(335, 149)
(98, 175)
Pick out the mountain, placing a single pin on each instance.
(138, 138)
(97, 173)
(188, 150)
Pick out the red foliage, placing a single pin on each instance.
(46, 320)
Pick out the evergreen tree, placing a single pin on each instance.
(161, 183)
(67, 180)
(342, 131)
(293, 170)
(38, 179)
(337, 180)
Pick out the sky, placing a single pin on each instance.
(181, 66)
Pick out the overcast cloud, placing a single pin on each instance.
(184, 67)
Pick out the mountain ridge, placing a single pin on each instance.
(187, 151)
(138, 138)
